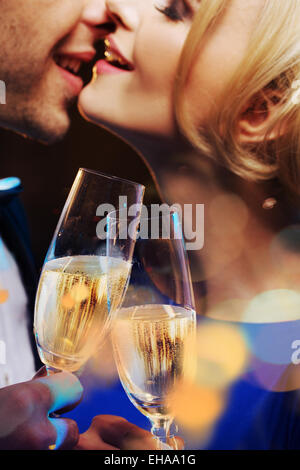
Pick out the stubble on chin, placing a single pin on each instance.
(42, 120)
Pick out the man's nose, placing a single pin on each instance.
(96, 16)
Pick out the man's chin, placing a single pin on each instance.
(46, 133)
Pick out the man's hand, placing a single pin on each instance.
(25, 408)
(114, 433)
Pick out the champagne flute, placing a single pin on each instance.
(71, 310)
(156, 320)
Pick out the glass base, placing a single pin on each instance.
(166, 444)
(164, 432)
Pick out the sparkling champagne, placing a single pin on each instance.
(149, 344)
(72, 307)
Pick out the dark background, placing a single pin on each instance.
(47, 172)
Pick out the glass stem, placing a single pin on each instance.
(162, 431)
(50, 371)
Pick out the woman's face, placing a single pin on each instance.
(150, 35)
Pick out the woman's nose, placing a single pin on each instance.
(123, 12)
(95, 14)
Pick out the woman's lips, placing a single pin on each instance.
(104, 67)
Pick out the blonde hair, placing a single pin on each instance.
(271, 62)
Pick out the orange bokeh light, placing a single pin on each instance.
(79, 293)
(76, 295)
(3, 296)
(195, 408)
(222, 354)
(67, 301)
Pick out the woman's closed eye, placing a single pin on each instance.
(177, 10)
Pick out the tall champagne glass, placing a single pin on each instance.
(156, 320)
(71, 310)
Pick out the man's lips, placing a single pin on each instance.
(69, 65)
(75, 83)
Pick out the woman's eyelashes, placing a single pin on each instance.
(176, 11)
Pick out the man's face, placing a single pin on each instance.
(42, 45)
